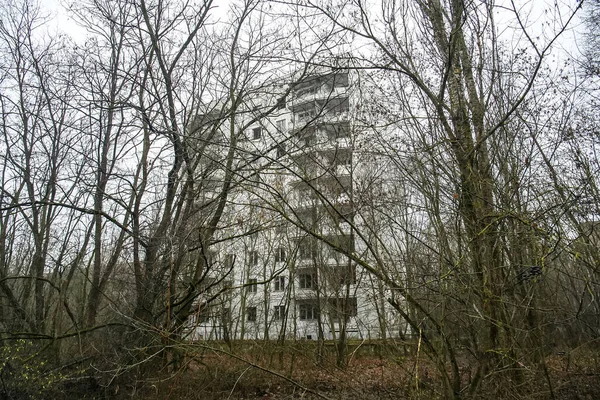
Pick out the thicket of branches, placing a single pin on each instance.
(122, 164)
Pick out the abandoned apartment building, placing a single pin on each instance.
(289, 274)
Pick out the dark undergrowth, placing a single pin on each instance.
(373, 372)
(306, 370)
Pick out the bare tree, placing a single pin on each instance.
(454, 109)
(150, 179)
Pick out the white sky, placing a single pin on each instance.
(62, 22)
(533, 13)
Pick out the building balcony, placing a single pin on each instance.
(316, 171)
(333, 186)
(332, 111)
(322, 82)
(317, 219)
(321, 98)
(342, 243)
(325, 191)
(322, 135)
(339, 228)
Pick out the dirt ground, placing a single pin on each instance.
(302, 375)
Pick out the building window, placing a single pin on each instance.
(256, 133)
(343, 308)
(309, 141)
(343, 158)
(307, 217)
(227, 283)
(203, 314)
(280, 254)
(344, 274)
(229, 258)
(281, 103)
(279, 284)
(308, 311)
(210, 258)
(349, 275)
(253, 258)
(226, 315)
(255, 178)
(338, 107)
(306, 194)
(279, 313)
(345, 244)
(281, 229)
(307, 249)
(342, 131)
(252, 285)
(340, 80)
(303, 116)
(307, 280)
(251, 314)
(281, 125)
(280, 150)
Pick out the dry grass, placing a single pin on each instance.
(296, 371)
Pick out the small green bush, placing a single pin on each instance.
(26, 375)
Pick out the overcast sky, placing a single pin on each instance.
(63, 23)
(533, 12)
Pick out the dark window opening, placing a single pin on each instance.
(308, 311)
(280, 254)
(252, 285)
(229, 259)
(342, 243)
(307, 280)
(253, 258)
(279, 313)
(256, 133)
(203, 314)
(343, 308)
(281, 103)
(342, 275)
(226, 315)
(251, 314)
(307, 249)
(280, 150)
(340, 79)
(279, 284)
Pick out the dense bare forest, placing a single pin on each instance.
(149, 168)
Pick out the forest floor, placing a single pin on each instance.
(260, 373)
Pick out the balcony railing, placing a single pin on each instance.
(319, 97)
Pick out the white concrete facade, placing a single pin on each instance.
(284, 273)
